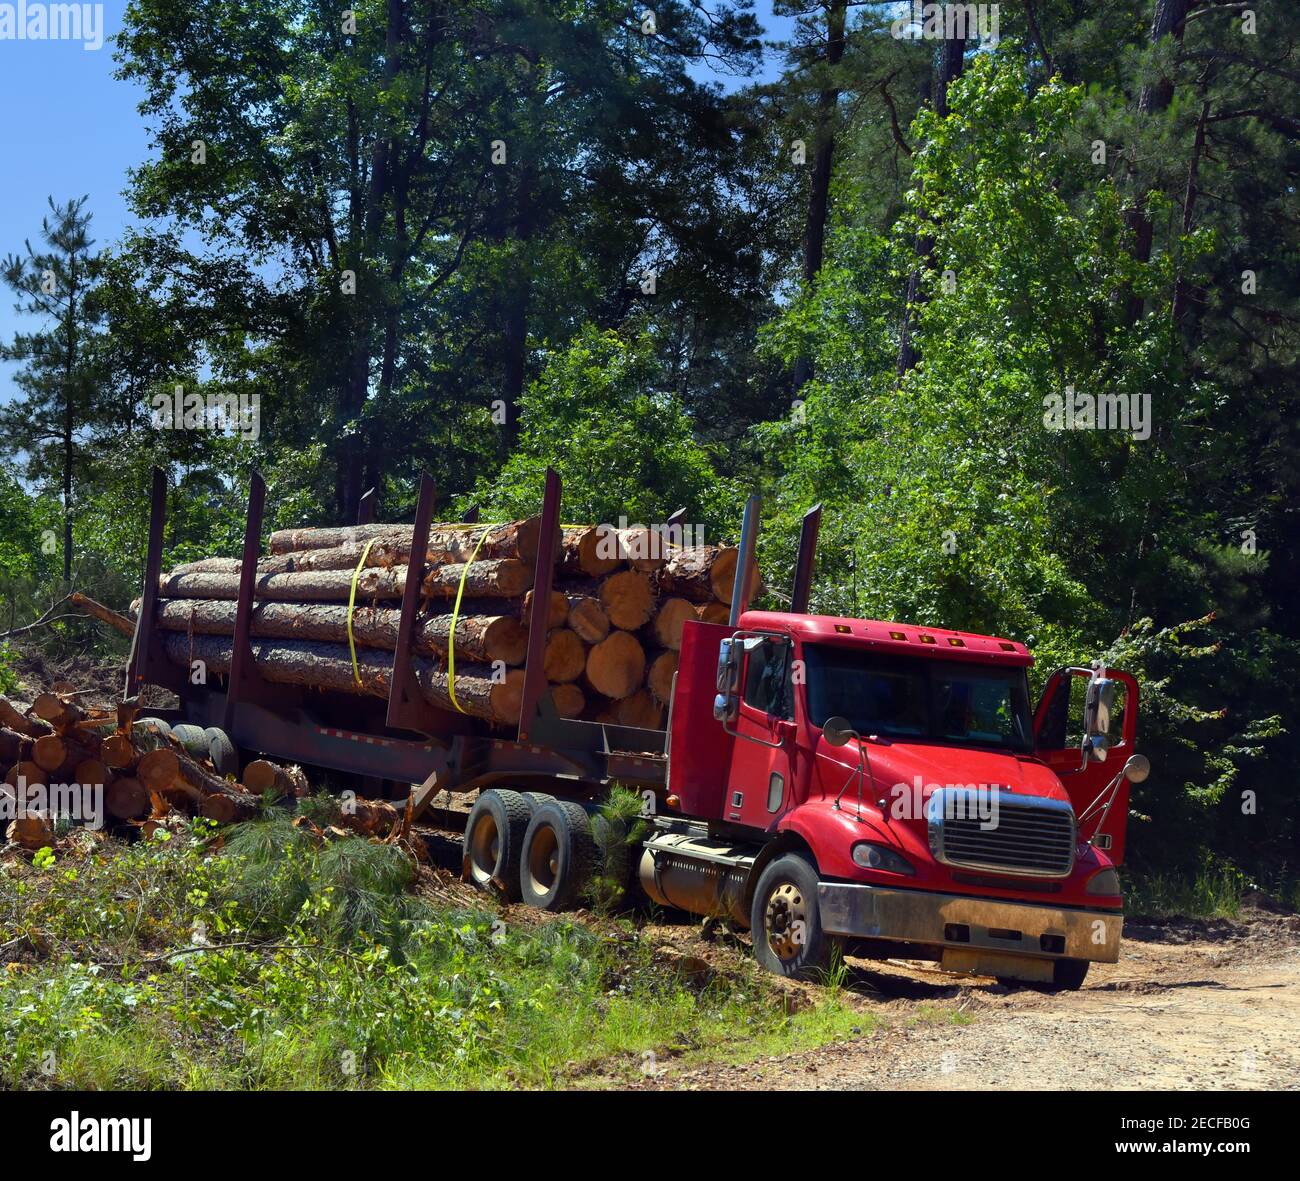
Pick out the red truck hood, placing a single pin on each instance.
(893, 763)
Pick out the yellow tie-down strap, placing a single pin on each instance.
(455, 616)
(352, 599)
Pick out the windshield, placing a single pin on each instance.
(914, 697)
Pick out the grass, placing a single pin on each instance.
(1211, 888)
(306, 965)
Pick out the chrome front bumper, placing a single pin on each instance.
(957, 923)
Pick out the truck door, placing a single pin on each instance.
(1058, 736)
(761, 783)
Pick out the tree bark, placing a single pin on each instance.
(819, 188)
(703, 573)
(448, 542)
(329, 667)
(479, 637)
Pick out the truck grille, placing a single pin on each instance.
(1029, 836)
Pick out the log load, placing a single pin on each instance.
(479, 637)
(659, 676)
(616, 666)
(448, 543)
(704, 572)
(618, 595)
(329, 666)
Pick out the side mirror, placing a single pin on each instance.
(1137, 768)
(1095, 747)
(726, 705)
(837, 731)
(1097, 706)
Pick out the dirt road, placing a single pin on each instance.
(1190, 1006)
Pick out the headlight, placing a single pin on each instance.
(1104, 881)
(871, 856)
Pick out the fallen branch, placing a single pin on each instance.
(117, 621)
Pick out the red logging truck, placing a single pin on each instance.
(820, 780)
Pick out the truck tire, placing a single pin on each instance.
(534, 800)
(193, 738)
(222, 752)
(785, 921)
(163, 727)
(494, 837)
(559, 852)
(1069, 974)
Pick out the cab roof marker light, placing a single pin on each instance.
(926, 639)
(898, 635)
(956, 642)
(1006, 647)
(842, 627)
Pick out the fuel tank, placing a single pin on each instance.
(698, 874)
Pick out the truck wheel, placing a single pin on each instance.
(534, 800)
(785, 922)
(1066, 974)
(162, 726)
(222, 752)
(559, 852)
(494, 835)
(1069, 974)
(193, 738)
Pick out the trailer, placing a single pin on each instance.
(820, 780)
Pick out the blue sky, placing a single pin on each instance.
(71, 129)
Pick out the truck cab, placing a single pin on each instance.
(891, 788)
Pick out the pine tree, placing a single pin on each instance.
(46, 425)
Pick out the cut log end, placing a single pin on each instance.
(616, 666)
(628, 599)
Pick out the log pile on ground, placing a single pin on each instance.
(614, 622)
(113, 767)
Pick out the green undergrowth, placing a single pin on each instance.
(268, 960)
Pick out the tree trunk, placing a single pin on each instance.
(819, 188)
(448, 542)
(668, 621)
(628, 599)
(588, 618)
(659, 678)
(329, 667)
(480, 637)
(1166, 21)
(705, 572)
(584, 553)
(566, 656)
(616, 666)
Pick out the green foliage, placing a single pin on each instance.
(620, 825)
(162, 965)
(9, 682)
(622, 447)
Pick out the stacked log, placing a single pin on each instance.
(614, 622)
(59, 750)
